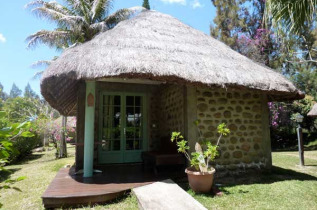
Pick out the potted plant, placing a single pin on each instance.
(200, 173)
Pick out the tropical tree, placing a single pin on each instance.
(292, 14)
(77, 21)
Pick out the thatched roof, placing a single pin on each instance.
(158, 47)
(313, 111)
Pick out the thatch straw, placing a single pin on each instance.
(313, 111)
(157, 46)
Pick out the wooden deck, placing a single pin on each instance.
(68, 189)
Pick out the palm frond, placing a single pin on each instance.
(100, 8)
(100, 27)
(50, 5)
(84, 9)
(41, 63)
(122, 14)
(291, 14)
(57, 16)
(37, 75)
(57, 38)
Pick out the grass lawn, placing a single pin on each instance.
(287, 187)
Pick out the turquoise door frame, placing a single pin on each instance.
(123, 155)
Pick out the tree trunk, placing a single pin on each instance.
(62, 145)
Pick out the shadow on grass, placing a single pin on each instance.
(27, 159)
(277, 174)
(4, 175)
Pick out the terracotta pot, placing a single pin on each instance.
(200, 182)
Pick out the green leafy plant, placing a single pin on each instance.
(7, 137)
(7, 148)
(205, 152)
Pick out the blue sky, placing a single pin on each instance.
(16, 23)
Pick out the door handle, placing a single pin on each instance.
(124, 131)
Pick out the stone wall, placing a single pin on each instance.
(171, 109)
(246, 115)
(166, 113)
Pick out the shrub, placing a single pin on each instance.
(24, 146)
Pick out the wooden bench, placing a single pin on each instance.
(166, 155)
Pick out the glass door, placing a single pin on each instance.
(122, 129)
(111, 126)
(133, 130)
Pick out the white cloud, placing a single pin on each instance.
(2, 38)
(183, 2)
(196, 4)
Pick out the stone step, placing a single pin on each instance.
(165, 195)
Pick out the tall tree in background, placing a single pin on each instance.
(3, 95)
(239, 24)
(15, 91)
(228, 21)
(29, 92)
(146, 4)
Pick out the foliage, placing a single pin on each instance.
(283, 128)
(24, 146)
(228, 21)
(3, 95)
(28, 108)
(20, 109)
(239, 24)
(7, 137)
(77, 21)
(8, 147)
(15, 91)
(292, 15)
(204, 150)
(146, 4)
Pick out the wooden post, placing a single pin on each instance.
(64, 123)
(300, 145)
(89, 129)
(62, 144)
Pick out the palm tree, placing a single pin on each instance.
(291, 14)
(78, 21)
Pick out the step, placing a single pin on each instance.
(165, 195)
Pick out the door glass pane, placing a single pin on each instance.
(130, 100)
(133, 122)
(137, 100)
(111, 125)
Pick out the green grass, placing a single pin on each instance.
(288, 186)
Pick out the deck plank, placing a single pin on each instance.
(68, 189)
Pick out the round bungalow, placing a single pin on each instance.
(133, 85)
